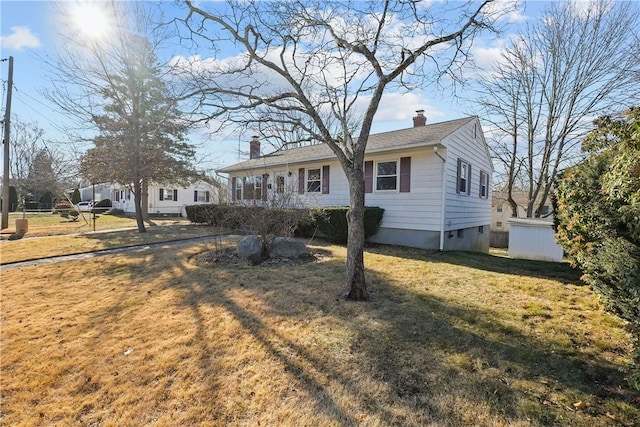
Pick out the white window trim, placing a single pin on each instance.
(306, 182)
(257, 190)
(375, 176)
(486, 181)
(464, 165)
(167, 195)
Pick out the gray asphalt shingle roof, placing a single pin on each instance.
(427, 135)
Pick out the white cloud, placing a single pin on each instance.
(20, 38)
(509, 11)
(401, 108)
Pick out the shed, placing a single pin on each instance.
(533, 239)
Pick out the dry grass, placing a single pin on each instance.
(41, 247)
(47, 224)
(156, 338)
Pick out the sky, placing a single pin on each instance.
(30, 33)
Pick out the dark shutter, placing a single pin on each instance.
(458, 176)
(469, 178)
(301, 181)
(162, 194)
(325, 179)
(265, 177)
(207, 197)
(175, 195)
(195, 195)
(233, 188)
(368, 177)
(405, 174)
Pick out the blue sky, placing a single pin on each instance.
(29, 31)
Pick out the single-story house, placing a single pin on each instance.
(433, 180)
(163, 199)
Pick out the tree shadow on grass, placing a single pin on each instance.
(558, 271)
(412, 357)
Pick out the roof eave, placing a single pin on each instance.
(237, 168)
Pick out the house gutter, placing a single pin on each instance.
(443, 198)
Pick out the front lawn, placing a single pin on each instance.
(47, 224)
(158, 338)
(27, 249)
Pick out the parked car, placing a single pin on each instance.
(85, 206)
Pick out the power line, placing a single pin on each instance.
(30, 107)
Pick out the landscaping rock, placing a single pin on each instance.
(287, 247)
(250, 247)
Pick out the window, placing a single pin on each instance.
(280, 184)
(484, 185)
(207, 196)
(545, 210)
(200, 196)
(116, 196)
(313, 181)
(481, 229)
(249, 189)
(387, 176)
(258, 188)
(499, 224)
(238, 190)
(460, 233)
(499, 208)
(464, 178)
(167, 194)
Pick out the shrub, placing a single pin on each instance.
(102, 206)
(65, 209)
(598, 219)
(13, 199)
(332, 221)
(215, 215)
(115, 212)
(75, 198)
(104, 203)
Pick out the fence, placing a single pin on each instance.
(499, 239)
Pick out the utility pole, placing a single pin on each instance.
(7, 129)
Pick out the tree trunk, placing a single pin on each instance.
(355, 284)
(137, 201)
(144, 201)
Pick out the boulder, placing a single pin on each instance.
(250, 247)
(287, 247)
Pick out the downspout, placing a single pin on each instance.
(443, 198)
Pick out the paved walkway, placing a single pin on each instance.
(103, 252)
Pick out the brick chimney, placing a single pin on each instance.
(254, 148)
(420, 119)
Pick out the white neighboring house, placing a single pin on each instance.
(164, 199)
(432, 180)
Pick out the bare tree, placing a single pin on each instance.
(321, 68)
(551, 82)
(36, 168)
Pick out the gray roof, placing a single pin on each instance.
(420, 136)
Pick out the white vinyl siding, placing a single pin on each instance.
(465, 211)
